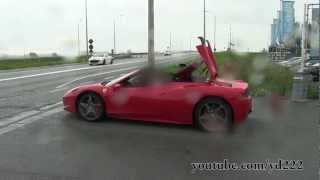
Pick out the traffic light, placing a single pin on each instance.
(91, 46)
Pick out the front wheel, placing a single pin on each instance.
(91, 107)
(214, 115)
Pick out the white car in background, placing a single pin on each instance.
(317, 65)
(100, 60)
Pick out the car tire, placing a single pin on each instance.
(90, 107)
(213, 115)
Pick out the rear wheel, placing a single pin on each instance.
(91, 107)
(214, 115)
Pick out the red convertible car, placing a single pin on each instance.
(151, 95)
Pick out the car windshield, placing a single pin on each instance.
(159, 89)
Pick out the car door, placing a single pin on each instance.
(178, 100)
(142, 103)
(167, 102)
(133, 99)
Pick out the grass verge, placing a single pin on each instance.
(8, 64)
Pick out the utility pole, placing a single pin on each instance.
(151, 55)
(204, 19)
(87, 38)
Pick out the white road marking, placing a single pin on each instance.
(93, 75)
(51, 106)
(63, 71)
(108, 78)
(29, 120)
(18, 118)
(58, 90)
(88, 82)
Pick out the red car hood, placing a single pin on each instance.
(208, 58)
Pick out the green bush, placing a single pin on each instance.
(313, 92)
(81, 59)
(263, 76)
(30, 62)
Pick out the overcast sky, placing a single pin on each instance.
(47, 26)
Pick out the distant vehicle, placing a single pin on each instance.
(313, 63)
(167, 53)
(214, 105)
(313, 66)
(100, 60)
(315, 73)
(317, 65)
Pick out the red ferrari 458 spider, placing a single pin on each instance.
(151, 95)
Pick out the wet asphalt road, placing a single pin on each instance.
(53, 144)
(23, 91)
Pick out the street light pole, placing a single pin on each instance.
(230, 37)
(115, 33)
(215, 32)
(79, 53)
(151, 54)
(87, 38)
(170, 42)
(114, 36)
(319, 35)
(304, 31)
(204, 19)
(319, 47)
